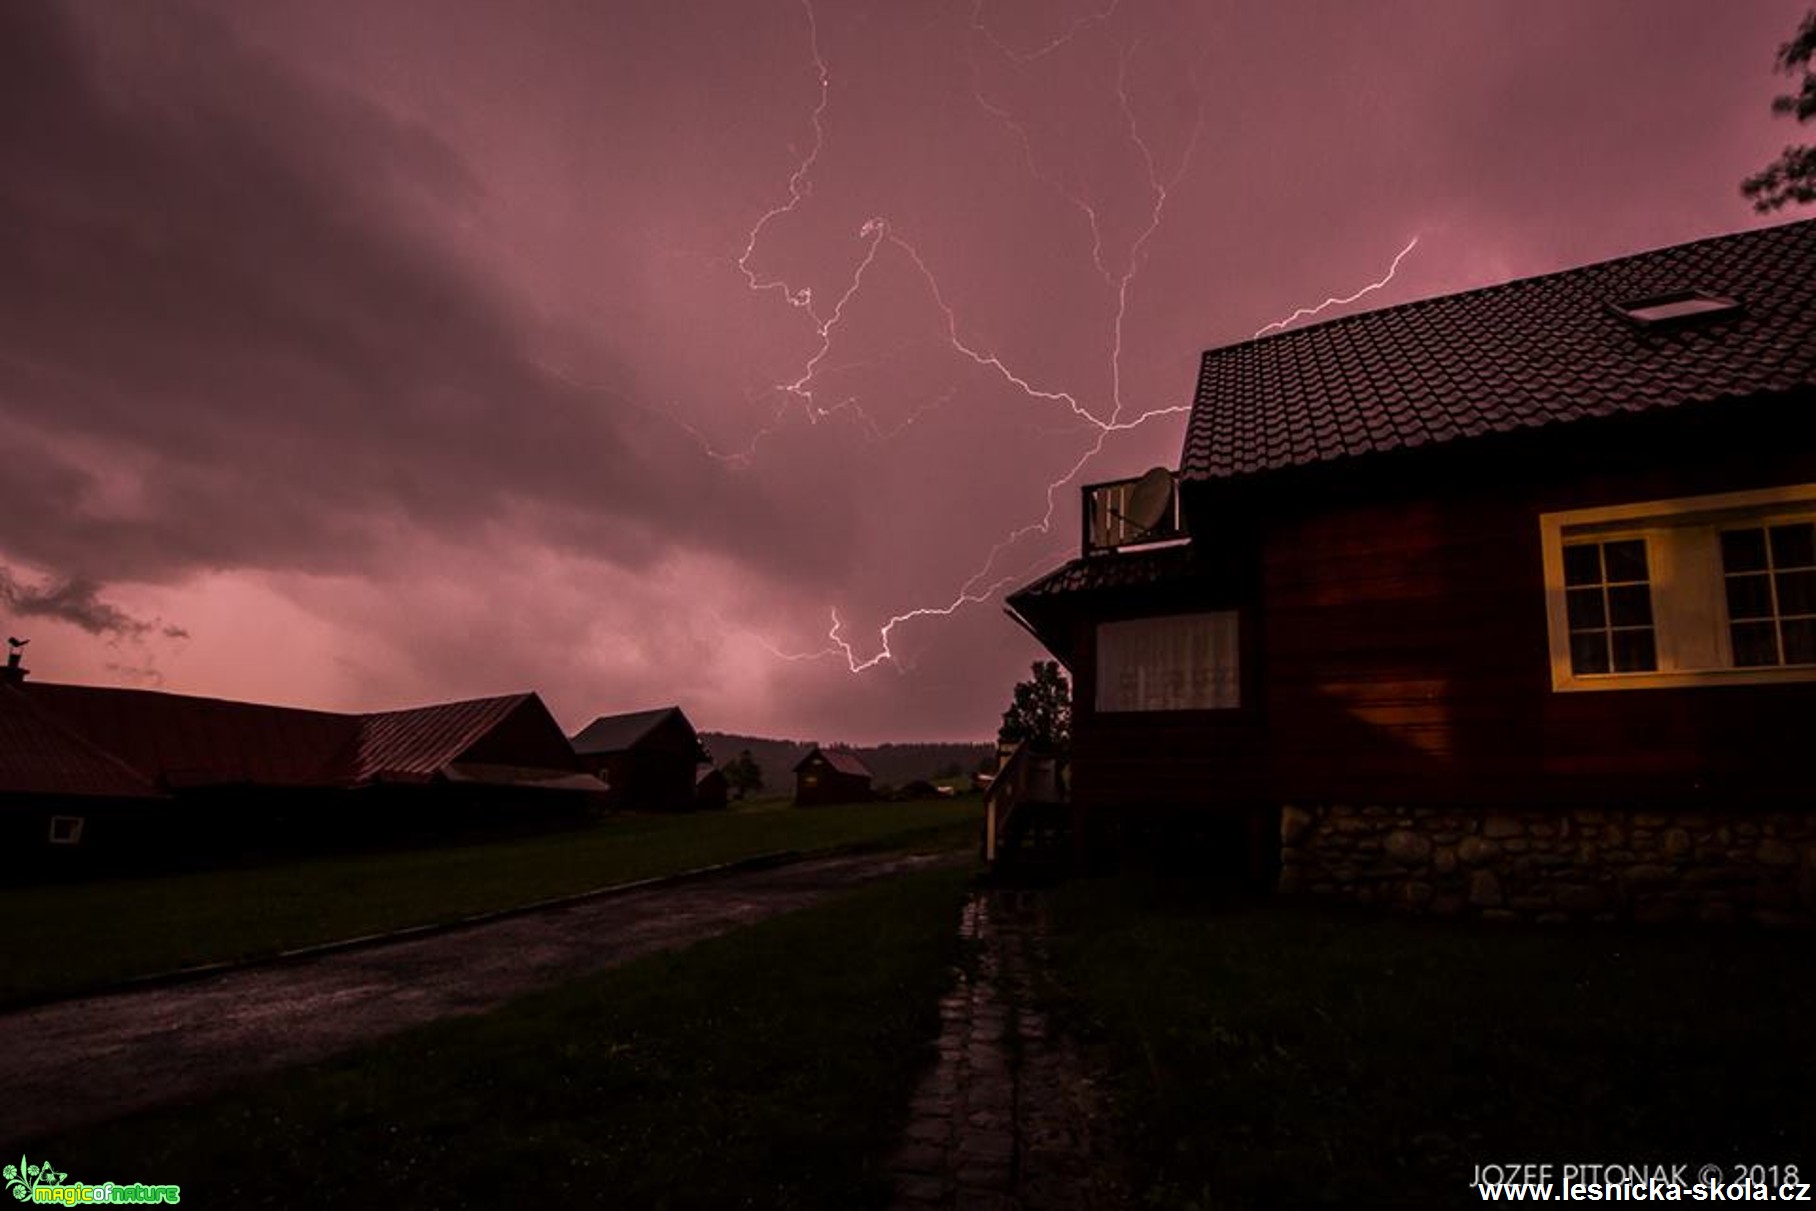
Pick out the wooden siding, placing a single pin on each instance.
(1408, 653)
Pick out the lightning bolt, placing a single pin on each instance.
(877, 236)
(1307, 312)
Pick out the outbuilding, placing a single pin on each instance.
(831, 775)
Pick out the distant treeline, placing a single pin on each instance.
(892, 764)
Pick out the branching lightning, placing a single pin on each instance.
(1307, 312)
(877, 236)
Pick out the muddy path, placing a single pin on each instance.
(85, 1061)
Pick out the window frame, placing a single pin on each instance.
(1244, 691)
(1687, 614)
(71, 831)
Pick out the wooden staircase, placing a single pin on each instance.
(1027, 821)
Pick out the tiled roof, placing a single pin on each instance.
(616, 733)
(1114, 570)
(39, 756)
(1540, 351)
(414, 745)
(841, 759)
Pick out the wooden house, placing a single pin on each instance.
(647, 757)
(1501, 602)
(62, 797)
(711, 791)
(831, 775)
(232, 776)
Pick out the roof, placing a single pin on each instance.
(1540, 351)
(1114, 570)
(179, 740)
(39, 756)
(615, 733)
(415, 744)
(841, 759)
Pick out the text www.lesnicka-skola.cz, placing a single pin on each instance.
(1544, 1183)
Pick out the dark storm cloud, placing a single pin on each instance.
(77, 602)
(234, 292)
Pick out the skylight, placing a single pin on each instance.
(1680, 307)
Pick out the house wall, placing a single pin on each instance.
(1402, 721)
(831, 787)
(1415, 735)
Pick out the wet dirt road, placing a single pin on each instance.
(89, 1060)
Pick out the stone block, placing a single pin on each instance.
(1773, 852)
(1477, 850)
(1407, 847)
(1484, 889)
(1503, 826)
(1296, 824)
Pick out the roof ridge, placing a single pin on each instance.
(1507, 284)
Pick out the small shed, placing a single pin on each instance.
(831, 775)
(710, 788)
(648, 757)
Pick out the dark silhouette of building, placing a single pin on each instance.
(647, 757)
(831, 775)
(710, 788)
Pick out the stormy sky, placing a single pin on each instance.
(355, 355)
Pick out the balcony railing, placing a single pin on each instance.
(1132, 512)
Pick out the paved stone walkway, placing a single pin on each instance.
(1008, 1119)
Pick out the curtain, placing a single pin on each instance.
(1179, 662)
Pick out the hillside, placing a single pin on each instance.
(892, 764)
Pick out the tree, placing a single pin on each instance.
(1041, 714)
(1792, 176)
(743, 774)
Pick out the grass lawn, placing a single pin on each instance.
(1285, 1056)
(770, 1067)
(69, 936)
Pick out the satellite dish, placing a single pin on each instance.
(1150, 505)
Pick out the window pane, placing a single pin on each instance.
(1172, 663)
(1794, 546)
(1630, 606)
(1755, 643)
(1633, 651)
(1749, 596)
(1589, 652)
(1796, 593)
(1583, 564)
(1800, 641)
(1585, 609)
(1743, 550)
(1626, 560)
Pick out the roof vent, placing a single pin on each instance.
(1677, 308)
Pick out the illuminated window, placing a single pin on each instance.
(1178, 662)
(1705, 590)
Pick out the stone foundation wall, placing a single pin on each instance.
(1560, 865)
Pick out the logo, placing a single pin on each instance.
(23, 1178)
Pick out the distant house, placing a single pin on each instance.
(1502, 602)
(237, 773)
(831, 775)
(710, 788)
(647, 757)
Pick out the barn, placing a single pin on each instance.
(831, 775)
(61, 796)
(647, 757)
(711, 791)
(1501, 603)
(237, 776)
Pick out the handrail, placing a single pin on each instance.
(1000, 800)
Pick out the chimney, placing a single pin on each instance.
(15, 672)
